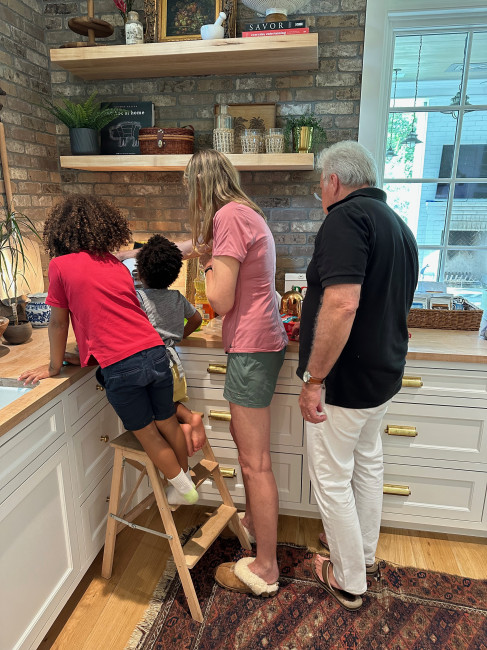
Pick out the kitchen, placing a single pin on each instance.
(450, 363)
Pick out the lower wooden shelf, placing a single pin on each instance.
(176, 162)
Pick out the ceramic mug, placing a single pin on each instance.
(38, 313)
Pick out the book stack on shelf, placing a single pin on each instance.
(121, 136)
(275, 28)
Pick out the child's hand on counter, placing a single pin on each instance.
(36, 374)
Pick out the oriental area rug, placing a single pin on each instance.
(404, 609)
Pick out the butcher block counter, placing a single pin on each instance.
(429, 345)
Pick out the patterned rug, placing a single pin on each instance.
(405, 609)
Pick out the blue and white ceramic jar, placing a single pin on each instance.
(38, 313)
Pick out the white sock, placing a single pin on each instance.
(182, 489)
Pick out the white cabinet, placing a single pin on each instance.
(434, 438)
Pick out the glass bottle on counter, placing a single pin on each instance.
(134, 33)
(201, 301)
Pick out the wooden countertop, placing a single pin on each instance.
(16, 358)
(430, 345)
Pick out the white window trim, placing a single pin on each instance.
(384, 19)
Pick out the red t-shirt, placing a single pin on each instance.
(105, 312)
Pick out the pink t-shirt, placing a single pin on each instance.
(105, 312)
(254, 323)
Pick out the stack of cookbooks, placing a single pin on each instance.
(275, 28)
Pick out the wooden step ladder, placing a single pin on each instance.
(129, 450)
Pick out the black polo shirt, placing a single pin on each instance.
(363, 241)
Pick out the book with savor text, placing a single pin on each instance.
(121, 136)
(277, 32)
(273, 25)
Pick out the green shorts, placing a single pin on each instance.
(251, 377)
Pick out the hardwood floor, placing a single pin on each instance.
(102, 614)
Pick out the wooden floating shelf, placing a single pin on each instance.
(176, 162)
(191, 58)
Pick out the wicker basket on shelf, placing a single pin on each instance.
(445, 319)
(174, 140)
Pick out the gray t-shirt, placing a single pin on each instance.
(166, 310)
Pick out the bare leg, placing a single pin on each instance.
(187, 430)
(250, 429)
(173, 434)
(160, 450)
(198, 433)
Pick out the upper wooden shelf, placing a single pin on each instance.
(191, 58)
(175, 162)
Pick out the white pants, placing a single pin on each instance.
(346, 468)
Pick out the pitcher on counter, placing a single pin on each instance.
(352, 352)
(240, 285)
(93, 288)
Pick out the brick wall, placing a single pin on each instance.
(156, 202)
(30, 131)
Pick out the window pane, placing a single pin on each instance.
(417, 204)
(477, 73)
(424, 159)
(429, 261)
(472, 158)
(466, 275)
(468, 223)
(440, 69)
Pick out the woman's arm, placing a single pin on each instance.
(221, 281)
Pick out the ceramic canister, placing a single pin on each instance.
(38, 313)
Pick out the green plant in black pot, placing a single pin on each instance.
(84, 121)
(303, 131)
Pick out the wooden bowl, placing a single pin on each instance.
(3, 325)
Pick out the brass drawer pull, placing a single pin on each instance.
(98, 387)
(107, 500)
(398, 490)
(228, 472)
(104, 438)
(217, 369)
(411, 382)
(224, 416)
(400, 430)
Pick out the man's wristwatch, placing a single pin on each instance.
(309, 379)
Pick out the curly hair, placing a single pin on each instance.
(85, 223)
(159, 262)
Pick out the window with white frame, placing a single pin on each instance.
(432, 152)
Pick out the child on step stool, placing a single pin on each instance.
(93, 288)
(159, 263)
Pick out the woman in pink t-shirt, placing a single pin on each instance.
(240, 280)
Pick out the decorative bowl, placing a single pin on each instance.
(3, 325)
(38, 313)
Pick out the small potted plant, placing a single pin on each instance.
(302, 131)
(84, 122)
(16, 230)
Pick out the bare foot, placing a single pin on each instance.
(187, 430)
(269, 574)
(319, 570)
(198, 434)
(323, 538)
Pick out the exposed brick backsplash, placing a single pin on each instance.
(156, 201)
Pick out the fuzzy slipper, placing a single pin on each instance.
(236, 576)
(346, 600)
(252, 539)
(372, 570)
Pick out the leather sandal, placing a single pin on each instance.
(236, 576)
(346, 600)
(372, 570)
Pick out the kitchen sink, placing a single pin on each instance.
(11, 389)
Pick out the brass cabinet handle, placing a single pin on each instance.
(107, 500)
(224, 416)
(411, 382)
(98, 387)
(228, 472)
(400, 430)
(104, 438)
(398, 490)
(217, 368)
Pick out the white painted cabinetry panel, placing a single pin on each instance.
(440, 380)
(81, 398)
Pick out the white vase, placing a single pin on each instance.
(38, 313)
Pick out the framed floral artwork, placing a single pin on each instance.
(181, 20)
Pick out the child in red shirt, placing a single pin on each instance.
(93, 288)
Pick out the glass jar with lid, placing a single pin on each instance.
(274, 141)
(223, 134)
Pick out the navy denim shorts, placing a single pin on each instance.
(140, 387)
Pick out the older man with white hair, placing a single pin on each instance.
(353, 345)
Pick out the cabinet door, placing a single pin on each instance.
(40, 556)
(445, 382)
(287, 428)
(92, 447)
(80, 400)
